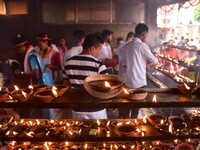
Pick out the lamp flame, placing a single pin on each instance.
(108, 123)
(38, 122)
(25, 94)
(22, 121)
(154, 99)
(0, 88)
(186, 86)
(54, 92)
(126, 91)
(98, 122)
(170, 129)
(10, 97)
(119, 124)
(86, 146)
(145, 119)
(46, 145)
(128, 122)
(162, 121)
(107, 84)
(13, 143)
(30, 134)
(104, 145)
(15, 133)
(30, 87)
(16, 87)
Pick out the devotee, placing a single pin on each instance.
(137, 53)
(106, 55)
(24, 48)
(62, 47)
(49, 54)
(79, 67)
(78, 39)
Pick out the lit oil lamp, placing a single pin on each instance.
(154, 99)
(107, 85)
(144, 120)
(16, 87)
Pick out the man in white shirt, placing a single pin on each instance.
(106, 55)
(137, 53)
(78, 39)
(120, 49)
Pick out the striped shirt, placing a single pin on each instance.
(77, 68)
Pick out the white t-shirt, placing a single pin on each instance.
(73, 52)
(106, 52)
(137, 53)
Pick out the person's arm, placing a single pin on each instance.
(148, 54)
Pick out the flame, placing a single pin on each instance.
(143, 133)
(104, 145)
(30, 134)
(154, 99)
(197, 128)
(86, 146)
(31, 123)
(162, 121)
(116, 147)
(157, 143)
(186, 86)
(15, 122)
(38, 122)
(170, 129)
(135, 121)
(133, 147)
(1, 125)
(65, 127)
(61, 122)
(67, 143)
(98, 122)
(54, 92)
(108, 123)
(16, 87)
(54, 88)
(13, 143)
(107, 84)
(143, 142)
(7, 133)
(111, 146)
(176, 141)
(145, 119)
(0, 88)
(68, 124)
(128, 122)
(25, 94)
(71, 133)
(189, 140)
(52, 121)
(138, 130)
(46, 145)
(123, 146)
(30, 87)
(10, 97)
(119, 124)
(15, 133)
(126, 91)
(22, 121)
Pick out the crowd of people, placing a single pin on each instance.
(89, 55)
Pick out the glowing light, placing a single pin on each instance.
(24, 94)
(22, 121)
(30, 134)
(128, 122)
(15, 133)
(162, 121)
(119, 124)
(46, 145)
(86, 146)
(170, 129)
(54, 93)
(38, 122)
(108, 123)
(125, 91)
(145, 119)
(30, 87)
(104, 145)
(154, 99)
(31, 123)
(186, 86)
(98, 122)
(16, 87)
(107, 84)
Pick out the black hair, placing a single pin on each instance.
(106, 33)
(130, 35)
(140, 28)
(78, 35)
(92, 40)
(120, 39)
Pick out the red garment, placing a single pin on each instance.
(56, 59)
